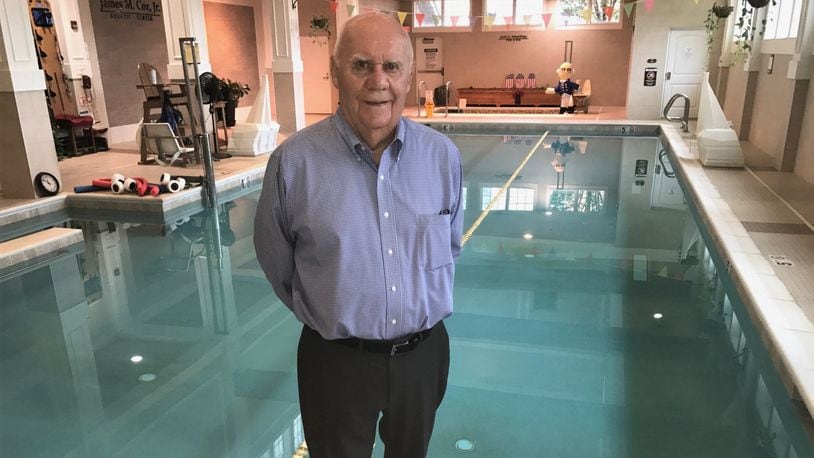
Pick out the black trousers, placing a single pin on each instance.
(343, 390)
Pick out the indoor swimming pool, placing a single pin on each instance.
(591, 320)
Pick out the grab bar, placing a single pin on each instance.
(446, 108)
(418, 95)
(685, 119)
(669, 173)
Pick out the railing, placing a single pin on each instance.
(418, 95)
(685, 119)
(446, 111)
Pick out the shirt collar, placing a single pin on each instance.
(355, 144)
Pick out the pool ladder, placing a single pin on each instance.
(446, 108)
(418, 93)
(685, 118)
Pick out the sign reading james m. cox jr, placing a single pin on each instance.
(139, 10)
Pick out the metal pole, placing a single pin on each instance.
(201, 138)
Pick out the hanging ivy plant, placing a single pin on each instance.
(746, 29)
(714, 15)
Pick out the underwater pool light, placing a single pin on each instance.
(135, 359)
(549, 213)
(148, 377)
(658, 316)
(464, 445)
(528, 236)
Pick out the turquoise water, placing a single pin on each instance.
(590, 322)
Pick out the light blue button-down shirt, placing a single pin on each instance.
(356, 250)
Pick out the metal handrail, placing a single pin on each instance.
(446, 109)
(685, 119)
(418, 95)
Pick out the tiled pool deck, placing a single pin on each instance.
(753, 214)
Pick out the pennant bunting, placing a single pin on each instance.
(454, 20)
(629, 8)
(419, 17)
(648, 5)
(527, 19)
(546, 19)
(436, 20)
(490, 19)
(608, 12)
(402, 16)
(586, 14)
(509, 20)
(334, 5)
(351, 9)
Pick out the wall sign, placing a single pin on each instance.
(513, 37)
(429, 54)
(650, 74)
(139, 10)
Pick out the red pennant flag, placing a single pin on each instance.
(419, 17)
(546, 19)
(454, 20)
(509, 20)
(334, 5)
(648, 5)
(608, 12)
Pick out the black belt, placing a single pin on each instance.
(393, 347)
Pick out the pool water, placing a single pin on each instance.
(590, 321)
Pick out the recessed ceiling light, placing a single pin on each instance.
(135, 359)
(658, 316)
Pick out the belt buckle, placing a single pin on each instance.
(395, 348)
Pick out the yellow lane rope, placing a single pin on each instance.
(503, 189)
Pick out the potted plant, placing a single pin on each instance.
(711, 23)
(232, 92)
(319, 27)
(745, 28)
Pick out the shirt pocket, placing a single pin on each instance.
(434, 246)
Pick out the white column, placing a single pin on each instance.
(801, 67)
(287, 66)
(185, 18)
(24, 150)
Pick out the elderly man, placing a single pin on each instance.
(357, 228)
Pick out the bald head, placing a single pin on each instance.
(372, 26)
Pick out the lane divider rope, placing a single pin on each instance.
(503, 189)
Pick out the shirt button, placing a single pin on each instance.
(390, 251)
(381, 177)
(393, 288)
(386, 214)
(394, 321)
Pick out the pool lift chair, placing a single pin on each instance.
(167, 146)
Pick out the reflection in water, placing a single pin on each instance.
(556, 351)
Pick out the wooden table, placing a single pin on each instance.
(508, 97)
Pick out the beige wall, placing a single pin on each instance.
(772, 98)
(481, 59)
(805, 155)
(232, 41)
(121, 45)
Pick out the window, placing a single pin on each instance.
(572, 12)
(488, 193)
(520, 199)
(517, 12)
(441, 13)
(576, 200)
(783, 19)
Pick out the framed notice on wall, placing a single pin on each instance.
(429, 54)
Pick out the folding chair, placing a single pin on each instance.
(168, 148)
